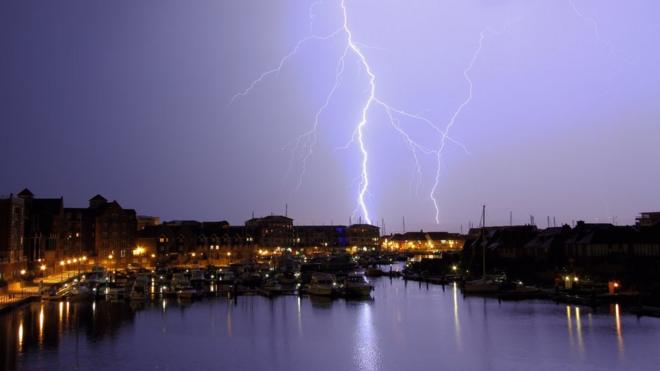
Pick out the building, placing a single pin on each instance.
(104, 231)
(43, 217)
(504, 246)
(648, 219)
(320, 236)
(114, 230)
(424, 242)
(271, 231)
(12, 253)
(591, 243)
(182, 242)
(144, 221)
(363, 236)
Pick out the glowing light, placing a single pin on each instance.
(138, 251)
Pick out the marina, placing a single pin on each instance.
(402, 325)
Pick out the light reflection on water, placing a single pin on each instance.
(405, 326)
(366, 347)
(457, 322)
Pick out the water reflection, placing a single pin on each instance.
(61, 312)
(41, 325)
(20, 337)
(402, 328)
(366, 348)
(229, 328)
(617, 325)
(457, 323)
(299, 314)
(578, 329)
(569, 325)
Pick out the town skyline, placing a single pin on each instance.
(395, 226)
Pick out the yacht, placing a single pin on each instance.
(322, 284)
(181, 286)
(356, 285)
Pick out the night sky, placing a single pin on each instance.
(131, 99)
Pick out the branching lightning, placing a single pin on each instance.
(307, 141)
(594, 24)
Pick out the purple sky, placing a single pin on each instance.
(131, 99)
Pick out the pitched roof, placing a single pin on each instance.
(25, 193)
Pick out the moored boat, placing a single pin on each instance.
(322, 284)
(356, 285)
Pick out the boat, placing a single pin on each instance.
(322, 284)
(356, 285)
(79, 292)
(197, 279)
(139, 290)
(115, 292)
(53, 293)
(187, 293)
(272, 288)
(483, 285)
(373, 272)
(181, 287)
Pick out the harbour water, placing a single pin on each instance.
(409, 326)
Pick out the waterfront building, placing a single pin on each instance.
(504, 247)
(330, 236)
(363, 236)
(12, 253)
(271, 231)
(648, 219)
(43, 217)
(423, 242)
(104, 230)
(145, 220)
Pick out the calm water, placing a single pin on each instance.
(409, 326)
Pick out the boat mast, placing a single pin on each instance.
(483, 241)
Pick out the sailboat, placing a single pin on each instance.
(486, 284)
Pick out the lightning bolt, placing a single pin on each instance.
(305, 143)
(594, 25)
(282, 63)
(364, 182)
(452, 122)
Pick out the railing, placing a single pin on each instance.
(13, 297)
